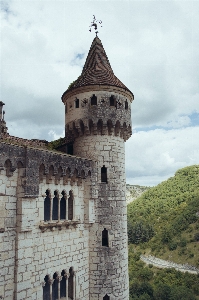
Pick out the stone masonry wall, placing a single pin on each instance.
(30, 247)
(108, 265)
(29, 251)
(8, 186)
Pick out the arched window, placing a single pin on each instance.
(63, 206)
(46, 288)
(112, 100)
(70, 206)
(70, 284)
(105, 237)
(47, 206)
(8, 167)
(106, 297)
(55, 206)
(104, 174)
(63, 285)
(93, 100)
(126, 104)
(55, 287)
(76, 103)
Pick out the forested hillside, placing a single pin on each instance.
(164, 222)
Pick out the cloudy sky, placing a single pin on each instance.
(153, 49)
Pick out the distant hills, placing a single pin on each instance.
(164, 222)
(134, 191)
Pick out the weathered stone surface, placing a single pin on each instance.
(65, 215)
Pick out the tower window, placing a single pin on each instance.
(69, 149)
(112, 101)
(105, 237)
(93, 100)
(104, 174)
(126, 104)
(66, 108)
(106, 297)
(77, 103)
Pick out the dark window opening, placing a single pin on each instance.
(46, 288)
(126, 104)
(47, 206)
(55, 207)
(77, 103)
(112, 101)
(105, 237)
(63, 207)
(104, 174)
(69, 149)
(55, 287)
(66, 109)
(93, 100)
(70, 206)
(106, 297)
(70, 283)
(63, 285)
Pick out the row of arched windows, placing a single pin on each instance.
(59, 287)
(93, 101)
(58, 208)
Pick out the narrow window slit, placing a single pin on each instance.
(76, 103)
(93, 100)
(112, 100)
(105, 238)
(104, 174)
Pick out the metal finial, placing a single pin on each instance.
(94, 24)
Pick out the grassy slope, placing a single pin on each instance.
(171, 209)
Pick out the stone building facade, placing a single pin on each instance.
(63, 226)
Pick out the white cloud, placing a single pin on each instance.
(159, 153)
(152, 47)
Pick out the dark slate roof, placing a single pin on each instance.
(97, 69)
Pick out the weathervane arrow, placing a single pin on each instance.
(94, 24)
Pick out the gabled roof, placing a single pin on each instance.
(97, 69)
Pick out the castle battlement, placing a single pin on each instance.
(63, 223)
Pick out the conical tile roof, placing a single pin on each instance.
(97, 69)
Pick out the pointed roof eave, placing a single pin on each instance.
(97, 71)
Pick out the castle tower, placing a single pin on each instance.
(97, 123)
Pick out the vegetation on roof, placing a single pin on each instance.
(72, 83)
(53, 145)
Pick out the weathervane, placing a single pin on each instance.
(94, 24)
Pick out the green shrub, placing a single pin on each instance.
(196, 236)
(172, 245)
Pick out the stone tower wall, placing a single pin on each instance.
(108, 265)
(98, 131)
